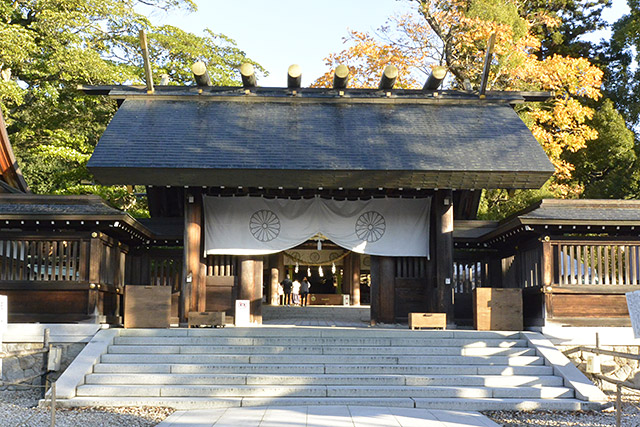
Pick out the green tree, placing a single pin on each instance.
(48, 47)
(607, 166)
(622, 82)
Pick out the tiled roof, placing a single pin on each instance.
(38, 205)
(256, 141)
(584, 210)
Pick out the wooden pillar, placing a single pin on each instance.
(276, 265)
(387, 289)
(374, 289)
(193, 294)
(547, 263)
(354, 260)
(95, 260)
(346, 275)
(250, 284)
(443, 211)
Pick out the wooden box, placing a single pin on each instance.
(207, 318)
(427, 320)
(147, 306)
(497, 309)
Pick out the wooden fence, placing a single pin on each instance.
(596, 263)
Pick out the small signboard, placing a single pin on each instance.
(243, 312)
(633, 304)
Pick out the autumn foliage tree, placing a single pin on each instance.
(454, 33)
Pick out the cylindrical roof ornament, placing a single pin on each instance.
(388, 78)
(200, 74)
(340, 77)
(294, 76)
(248, 76)
(436, 77)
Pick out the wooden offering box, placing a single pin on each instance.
(427, 320)
(207, 318)
(497, 309)
(147, 306)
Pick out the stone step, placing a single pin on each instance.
(318, 350)
(484, 404)
(186, 403)
(330, 342)
(261, 368)
(323, 391)
(322, 379)
(268, 332)
(323, 359)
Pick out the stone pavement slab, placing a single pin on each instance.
(329, 415)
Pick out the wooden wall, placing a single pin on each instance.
(66, 277)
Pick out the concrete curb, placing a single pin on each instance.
(82, 365)
(584, 389)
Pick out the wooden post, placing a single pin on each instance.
(387, 289)
(374, 288)
(346, 275)
(443, 210)
(355, 278)
(193, 294)
(95, 260)
(547, 263)
(256, 298)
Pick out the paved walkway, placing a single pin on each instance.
(326, 416)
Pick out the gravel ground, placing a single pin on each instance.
(630, 415)
(19, 408)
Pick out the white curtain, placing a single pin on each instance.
(258, 226)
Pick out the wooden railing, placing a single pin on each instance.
(221, 265)
(596, 263)
(38, 259)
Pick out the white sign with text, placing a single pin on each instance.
(243, 312)
(633, 303)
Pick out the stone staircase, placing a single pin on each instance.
(258, 366)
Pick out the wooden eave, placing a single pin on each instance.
(9, 169)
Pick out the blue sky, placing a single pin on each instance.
(279, 33)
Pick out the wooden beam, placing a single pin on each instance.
(487, 65)
(147, 63)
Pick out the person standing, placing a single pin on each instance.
(295, 293)
(287, 284)
(305, 286)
